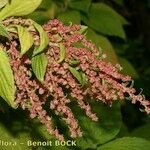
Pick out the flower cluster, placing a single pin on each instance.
(103, 82)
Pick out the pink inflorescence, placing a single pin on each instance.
(104, 82)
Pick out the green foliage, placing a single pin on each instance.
(103, 6)
(104, 44)
(123, 131)
(41, 19)
(100, 17)
(44, 40)
(74, 62)
(41, 133)
(142, 131)
(3, 31)
(39, 64)
(70, 17)
(3, 3)
(128, 68)
(81, 5)
(119, 2)
(25, 38)
(21, 129)
(17, 8)
(7, 86)
(126, 143)
(62, 53)
(15, 141)
(44, 12)
(100, 132)
(83, 29)
(80, 76)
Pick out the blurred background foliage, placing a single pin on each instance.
(121, 28)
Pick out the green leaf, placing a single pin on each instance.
(3, 32)
(19, 8)
(3, 3)
(46, 4)
(44, 40)
(74, 62)
(123, 131)
(84, 78)
(126, 143)
(119, 2)
(82, 5)
(104, 44)
(38, 16)
(95, 133)
(39, 64)
(18, 140)
(41, 132)
(62, 53)
(15, 128)
(25, 38)
(103, 20)
(7, 86)
(70, 16)
(83, 29)
(78, 75)
(142, 131)
(128, 69)
(46, 11)
(52, 10)
(4, 107)
(123, 21)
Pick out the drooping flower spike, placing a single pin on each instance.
(74, 64)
